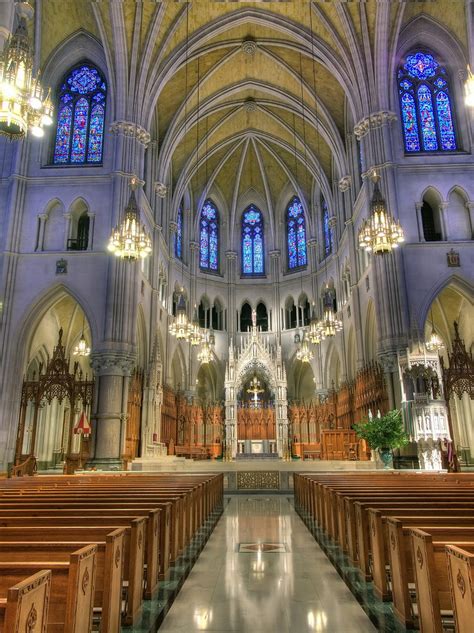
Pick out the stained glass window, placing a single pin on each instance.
(209, 237)
(327, 233)
(81, 115)
(296, 234)
(253, 248)
(425, 103)
(178, 238)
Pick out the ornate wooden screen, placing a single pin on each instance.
(458, 379)
(341, 409)
(134, 415)
(256, 424)
(57, 382)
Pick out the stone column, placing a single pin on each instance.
(470, 210)
(313, 265)
(389, 362)
(419, 221)
(231, 260)
(67, 232)
(193, 268)
(113, 369)
(444, 219)
(43, 218)
(275, 275)
(90, 245)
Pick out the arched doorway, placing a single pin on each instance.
(56, 397)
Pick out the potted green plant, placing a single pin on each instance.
(383, 433)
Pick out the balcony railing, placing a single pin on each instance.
(77, 244)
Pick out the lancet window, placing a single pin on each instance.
(426, 105)
(209, 237)
(296, 234)
(178, 237)
(326, 229)
(253, 249)
(81, 116)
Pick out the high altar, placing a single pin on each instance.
(253, 425)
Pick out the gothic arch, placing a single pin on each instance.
(370, 334)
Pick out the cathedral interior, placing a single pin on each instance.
(249, 147)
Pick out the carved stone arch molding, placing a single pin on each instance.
(258, 353)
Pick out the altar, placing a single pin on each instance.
(256, 406)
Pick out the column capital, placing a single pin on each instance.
(332, 222)
(161, 189)
(194, 246)
(372, 121)
(131, 130)
(443, 206)
(173, 227)
(43, 216)
(231, 255)
(345, 183)
(418, 206)
(274, 254)
(389, 361)
(312, 242)
(469, 206)
(112, 362)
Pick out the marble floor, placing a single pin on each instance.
(262, 571)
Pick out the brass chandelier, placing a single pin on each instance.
(130, 240)
(330, 324)
(304, 352)
(315, 333)
(195, 334)
(81, 349)
(434, 342)
(380, 233)
(180, 327)
(205, 353)
(23, 103)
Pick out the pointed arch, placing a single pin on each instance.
(253, 242)
(80, 119)
(209, 237)
(296, 235)
(426, 106)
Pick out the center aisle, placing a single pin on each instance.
(262, 571)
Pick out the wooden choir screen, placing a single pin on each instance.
(189, 428)
(134, 415)
(256, 424)
(322, 427)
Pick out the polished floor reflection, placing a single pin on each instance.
(262, 571)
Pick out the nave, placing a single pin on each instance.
(262, 571)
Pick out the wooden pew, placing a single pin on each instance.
(133, 551)
(72, 589)
(461, 582)
(26, 603)
(383, 523)
(433, 593)
(108, 569)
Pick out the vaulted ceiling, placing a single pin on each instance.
(247, 95)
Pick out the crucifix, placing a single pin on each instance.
(255, 388)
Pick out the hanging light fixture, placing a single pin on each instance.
(23, 104)
(330, 324)
(180, 327)
(434, 342)
(380, 233)
(130, 240)
(304, 352)
(469, 89)
(195, 335)
(205, 353)
(315, 334)
(81, 349)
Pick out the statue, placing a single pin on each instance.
(254, 318)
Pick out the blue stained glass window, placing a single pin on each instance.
(425, 103)
(81, 116)
(209, 237)
(253, 242)
(63, 134)
(327, 233)
(296, 234)
(178, 238)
